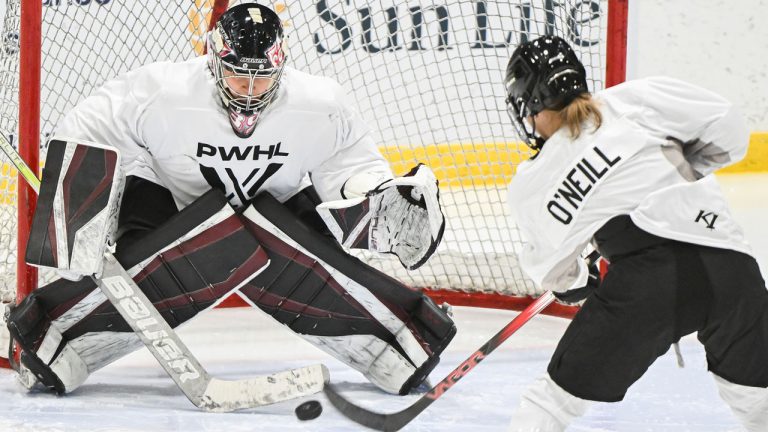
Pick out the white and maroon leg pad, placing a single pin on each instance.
(370, 321)
(76, 213)
(184, 267)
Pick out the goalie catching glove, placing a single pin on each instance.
(401, 216)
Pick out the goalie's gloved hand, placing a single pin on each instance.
(577, 295)
(406, 217)
(401, 216)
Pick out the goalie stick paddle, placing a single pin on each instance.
(204, 391)
(395, 421)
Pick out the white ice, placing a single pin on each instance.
(134, 394)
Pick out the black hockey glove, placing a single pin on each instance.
(576, 295)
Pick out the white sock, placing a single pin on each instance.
(546, 407)
(749, 404)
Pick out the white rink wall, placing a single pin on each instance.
(719, 44)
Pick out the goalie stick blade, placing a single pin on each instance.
(395, 421)
(225, 396)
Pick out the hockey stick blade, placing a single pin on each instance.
(395, 421)
(204, 391)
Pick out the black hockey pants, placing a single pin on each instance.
(655, 292)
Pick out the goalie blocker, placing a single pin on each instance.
(67, 330)
(76, 215)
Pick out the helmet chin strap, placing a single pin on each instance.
(538, 140)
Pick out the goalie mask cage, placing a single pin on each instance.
(426, 76)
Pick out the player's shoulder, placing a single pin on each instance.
(166, 76)
(305, 91)
(641, 87)
(169, 83)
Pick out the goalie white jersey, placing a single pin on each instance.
(653, 159)
(171, 129)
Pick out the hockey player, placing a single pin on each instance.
(235, 128)
(630, 169)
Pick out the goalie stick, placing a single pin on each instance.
(395, 421)
(204, 391)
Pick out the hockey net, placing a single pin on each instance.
(426, 75)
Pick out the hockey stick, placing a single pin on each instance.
(395, 421)
(204, 391)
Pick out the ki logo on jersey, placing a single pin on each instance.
(708, 218)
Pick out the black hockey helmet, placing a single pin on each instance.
(247, 43)
(541, 74)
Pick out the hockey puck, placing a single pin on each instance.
(309, 410)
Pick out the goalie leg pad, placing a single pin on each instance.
(27, 325)
(185, 267)
(389, 332)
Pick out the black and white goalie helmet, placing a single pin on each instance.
(246, 55)
(541, 74)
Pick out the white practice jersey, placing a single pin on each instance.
(653, 159)
(171, 128)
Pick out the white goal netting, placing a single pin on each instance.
(426, 75)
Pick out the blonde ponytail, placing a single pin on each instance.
(580, 110)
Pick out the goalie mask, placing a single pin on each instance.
(542, 74)
(246, 56)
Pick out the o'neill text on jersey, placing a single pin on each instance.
(578, 183)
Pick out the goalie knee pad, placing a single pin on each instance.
(68, 329)
(389, 332)
(55, 367)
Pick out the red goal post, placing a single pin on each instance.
(426, 75)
